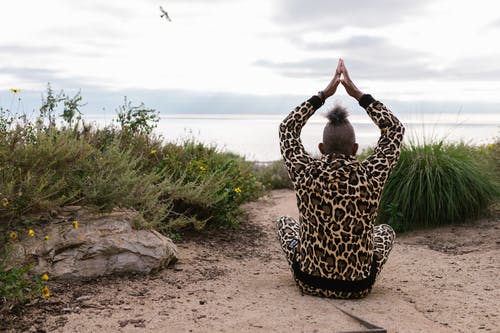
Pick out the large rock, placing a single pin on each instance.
(103, 244)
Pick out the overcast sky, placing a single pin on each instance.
(420, 51)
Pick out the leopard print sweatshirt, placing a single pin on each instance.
(337, 195)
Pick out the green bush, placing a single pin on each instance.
(439, 183)
(206, 185)
(16, 287)
(273, 175)
(57, 168)
(137, 119)
(44, 166)
(172, 184)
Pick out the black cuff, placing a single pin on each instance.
(366, 100)
(315, 101)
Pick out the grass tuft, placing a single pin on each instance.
(439, 183)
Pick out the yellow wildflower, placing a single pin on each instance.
(15, 90)
(31, 233)
(238, 190)
(46, 237)
(491, 146)
(45, 292)
(5, 202)
(203, 168)
(153, 151)
(75, 224)
(13, 235)
(45, 277)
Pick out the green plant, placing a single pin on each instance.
(395, 218)
(113, 177)
(6, 119)
(17, 286)
(438, 183)
(273, 175)
(206, 186)
(137, 119)
(173, 186)
(50, 104)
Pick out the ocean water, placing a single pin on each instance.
(256, 136)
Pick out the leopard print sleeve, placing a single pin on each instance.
(386, 153)
(295, 156)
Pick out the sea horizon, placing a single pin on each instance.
(255, 136)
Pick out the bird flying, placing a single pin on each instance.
(164, 14)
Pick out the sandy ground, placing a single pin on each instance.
(440, 280)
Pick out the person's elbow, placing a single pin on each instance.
(396, 131)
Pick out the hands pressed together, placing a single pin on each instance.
(342, 76)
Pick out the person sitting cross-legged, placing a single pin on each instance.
(335, 250)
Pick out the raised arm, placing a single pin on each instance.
(386, 153)
(295, 156)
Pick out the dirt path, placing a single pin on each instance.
(441, 280)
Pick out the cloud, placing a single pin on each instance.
(494, 24)
(118, 10)
(359, 68)
(485, 68)
(366, 56)
(14, 51)
(84, 31)
(42, 76)
(29, 49)
(356, 42)
(208, 2)
(379, 60)
(339, 13)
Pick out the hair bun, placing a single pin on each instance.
(337, 115)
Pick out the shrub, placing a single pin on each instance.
(438, 183)
(16, 288)
(137, 119)
(207, 186)
(17, 285)
(58, 168)
(273, 175)
(172, 184)
(50, 104)
(43, 167)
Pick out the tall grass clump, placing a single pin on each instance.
(439, 183)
